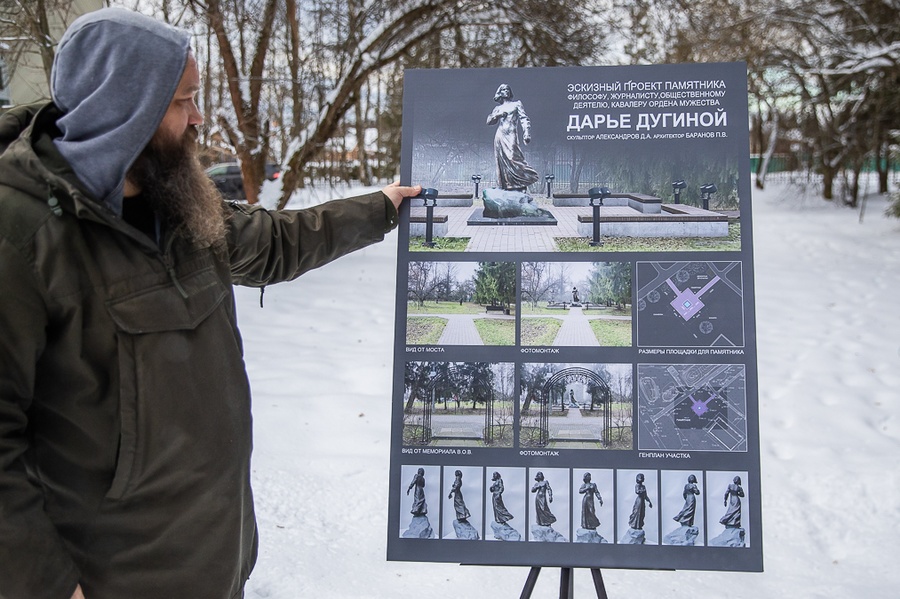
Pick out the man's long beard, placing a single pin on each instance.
(172, 181)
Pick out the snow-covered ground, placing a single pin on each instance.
(319, 356)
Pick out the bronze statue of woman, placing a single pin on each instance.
(501, 514)
(686, 515)
(636, 520)
(459, 504)
(513, 172)
(542, 500)
(733, 494)
(418, 507)
(589, 518)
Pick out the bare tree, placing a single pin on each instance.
(243, 62)
(536, 281)
(833, 62)
(423, 281)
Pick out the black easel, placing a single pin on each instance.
(566, 583)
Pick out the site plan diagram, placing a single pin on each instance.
(690, 304)
(692, 407)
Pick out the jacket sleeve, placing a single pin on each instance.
(273, 246)
(34, 562)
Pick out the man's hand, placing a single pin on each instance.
(78, 594)
(396, 193)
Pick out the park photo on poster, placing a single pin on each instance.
(575, 406)
(524, 160)
(458, 404)
(586, 304)
(461, 303)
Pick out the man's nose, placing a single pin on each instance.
(195, 117)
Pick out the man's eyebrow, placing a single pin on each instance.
(193, 89)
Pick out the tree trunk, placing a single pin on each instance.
(828, 175)
(251, 146)
(853, 199)
(42, 34)
(577, 165)
(527, 405)
(296, 91)
(413, 394)
(770, 150)
(882, 165)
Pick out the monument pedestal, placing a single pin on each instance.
(546, 534)
(633, 537)
(683, 535)
(419, 528)
(465, 531)
(730, 537)
(505, 532)
(584, 535)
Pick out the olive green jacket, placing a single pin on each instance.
(125, 426)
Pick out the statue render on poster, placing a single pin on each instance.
(502, 530)
(419, 526)
(733, 535)
(635, 534)
(461, 525)
(513, 171)
(589, 521)
(686, 534)
(543, 529)
(509, 202)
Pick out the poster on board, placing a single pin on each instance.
(574, 378)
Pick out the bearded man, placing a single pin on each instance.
(125, 426)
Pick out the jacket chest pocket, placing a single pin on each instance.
(161, 335)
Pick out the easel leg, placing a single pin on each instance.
(530, 582)
(598, 583)
(566, 584)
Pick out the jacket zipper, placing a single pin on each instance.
(169, 264)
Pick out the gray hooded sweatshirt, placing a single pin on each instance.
(112, 111)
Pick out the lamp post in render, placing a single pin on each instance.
(706, 192)
(477, 180)
(549, 179)
(596, 195)
(677, 186)
(429, 195)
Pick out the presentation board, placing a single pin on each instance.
(574, 377)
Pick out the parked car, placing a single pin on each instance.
(227, 178)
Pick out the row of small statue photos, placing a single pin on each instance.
(619, 506)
